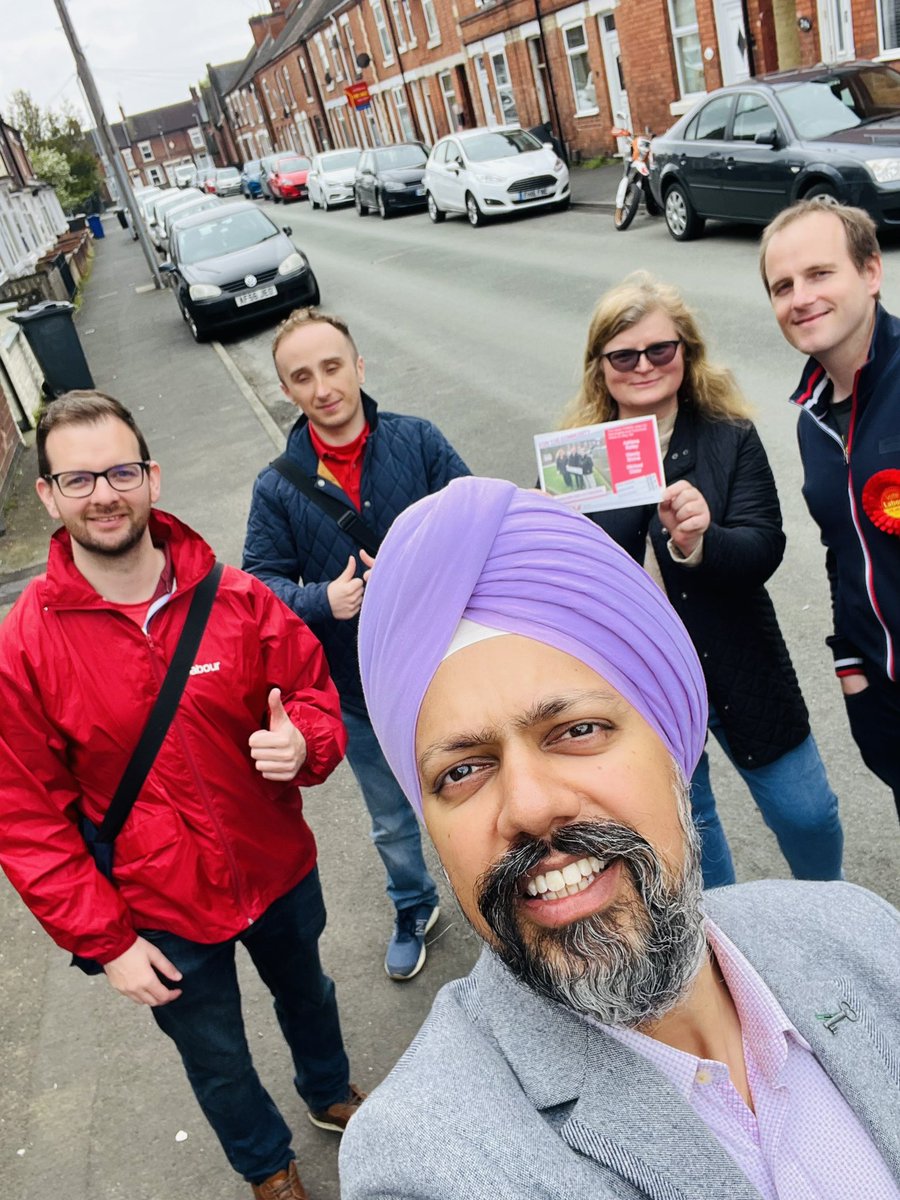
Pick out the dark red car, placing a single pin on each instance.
(287, 180)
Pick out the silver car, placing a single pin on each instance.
(330, 181)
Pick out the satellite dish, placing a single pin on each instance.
(362, 60)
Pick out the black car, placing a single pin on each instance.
(232, 264)
(390, 178)
(751, 149)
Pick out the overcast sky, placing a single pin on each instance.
(143, 53)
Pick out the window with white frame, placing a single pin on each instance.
(146, 151)
(403, 114)
(337, 54)
(196, 136)
(431, 21)
(323, 59)
(509, 114)
(255, 99)
(448, 94)
(269, 104)
(304, 71)
(351, 46)
(398, 24)
(686, 41)
(407, 17)
(289, 87)
(575, 40)
(387, 50)
(889, 24)
(156, 175)
(128, 158)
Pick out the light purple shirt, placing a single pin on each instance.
(804, 1142)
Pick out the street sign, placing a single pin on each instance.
(358, 95)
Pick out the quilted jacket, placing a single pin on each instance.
(722, 601)
(294, 547)
(209, 843)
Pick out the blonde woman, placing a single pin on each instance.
(712, 544)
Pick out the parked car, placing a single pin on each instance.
(486, 172)
(193, 204)
(287, 179)
(233, 264)
(227, 182)
(390, 178)
(250, 185)
(267, 166)
(183, 175)
(748, 150)
(170, 199)
(144, 195)
(206, 180)
(330, 180)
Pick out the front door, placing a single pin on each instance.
(615, 79)
(836, 30)
(732, 41)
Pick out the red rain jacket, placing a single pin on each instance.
(210, 844)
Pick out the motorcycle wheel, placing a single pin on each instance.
(632, 202)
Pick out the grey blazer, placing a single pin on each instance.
(503, 1094)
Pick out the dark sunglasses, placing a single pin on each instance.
(660, 354)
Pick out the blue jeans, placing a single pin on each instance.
(796, 802)
(207, 1026)
(395, 829)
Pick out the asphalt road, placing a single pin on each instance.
(481, 331)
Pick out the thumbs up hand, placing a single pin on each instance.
(279, 751)
(345, 593)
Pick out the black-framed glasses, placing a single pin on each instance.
(660, 354)
(78, 485)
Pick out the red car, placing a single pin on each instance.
(207, 181)
(287, 180)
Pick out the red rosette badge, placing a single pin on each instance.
(881, 501)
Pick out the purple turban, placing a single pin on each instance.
(522, 563)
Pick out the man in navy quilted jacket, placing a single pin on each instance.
(367, 466)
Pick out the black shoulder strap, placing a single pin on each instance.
(164, 707)
(351, 523)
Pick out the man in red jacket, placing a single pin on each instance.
(215, 849)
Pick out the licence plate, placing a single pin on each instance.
(534, 193)
(263, 293)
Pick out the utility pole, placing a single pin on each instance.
(105, 134)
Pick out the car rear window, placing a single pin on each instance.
(337, 162)
(223, 235)
(499, 144)
(228, 173)
(294, 164)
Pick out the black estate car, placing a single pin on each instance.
(232, 264)
(749, 150)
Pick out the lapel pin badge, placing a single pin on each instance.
(833, 1019)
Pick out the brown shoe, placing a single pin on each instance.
(337, 1115)
(283, 1185)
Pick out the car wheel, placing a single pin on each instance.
(434, 212)
(825, 190)
(623, 216)
(358, 204)
(198, 334)
(312, 203)
(276, 199)
(473, 212)
(563, 205)
(383, 211)
(316, 296)
(325, 204)
(682, 221)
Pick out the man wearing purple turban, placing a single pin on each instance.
(542, 705)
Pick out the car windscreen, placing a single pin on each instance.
(228, 173)
(815, 110)
(223, 235)
(499, 144)
(338, 162)
(396, 157)
(293, 164)
(189, 210)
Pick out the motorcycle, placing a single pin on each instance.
(635, 180)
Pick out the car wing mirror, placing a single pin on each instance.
(287, 229)
(768, 137)
(167, 268)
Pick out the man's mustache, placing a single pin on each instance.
(605, 840)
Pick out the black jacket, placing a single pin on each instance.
(723, 603)
(863, 560)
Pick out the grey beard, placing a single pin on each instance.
(626, 966)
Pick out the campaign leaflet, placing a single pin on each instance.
(614, 465)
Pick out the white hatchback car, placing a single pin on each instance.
(486, 172)
(330, 180)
